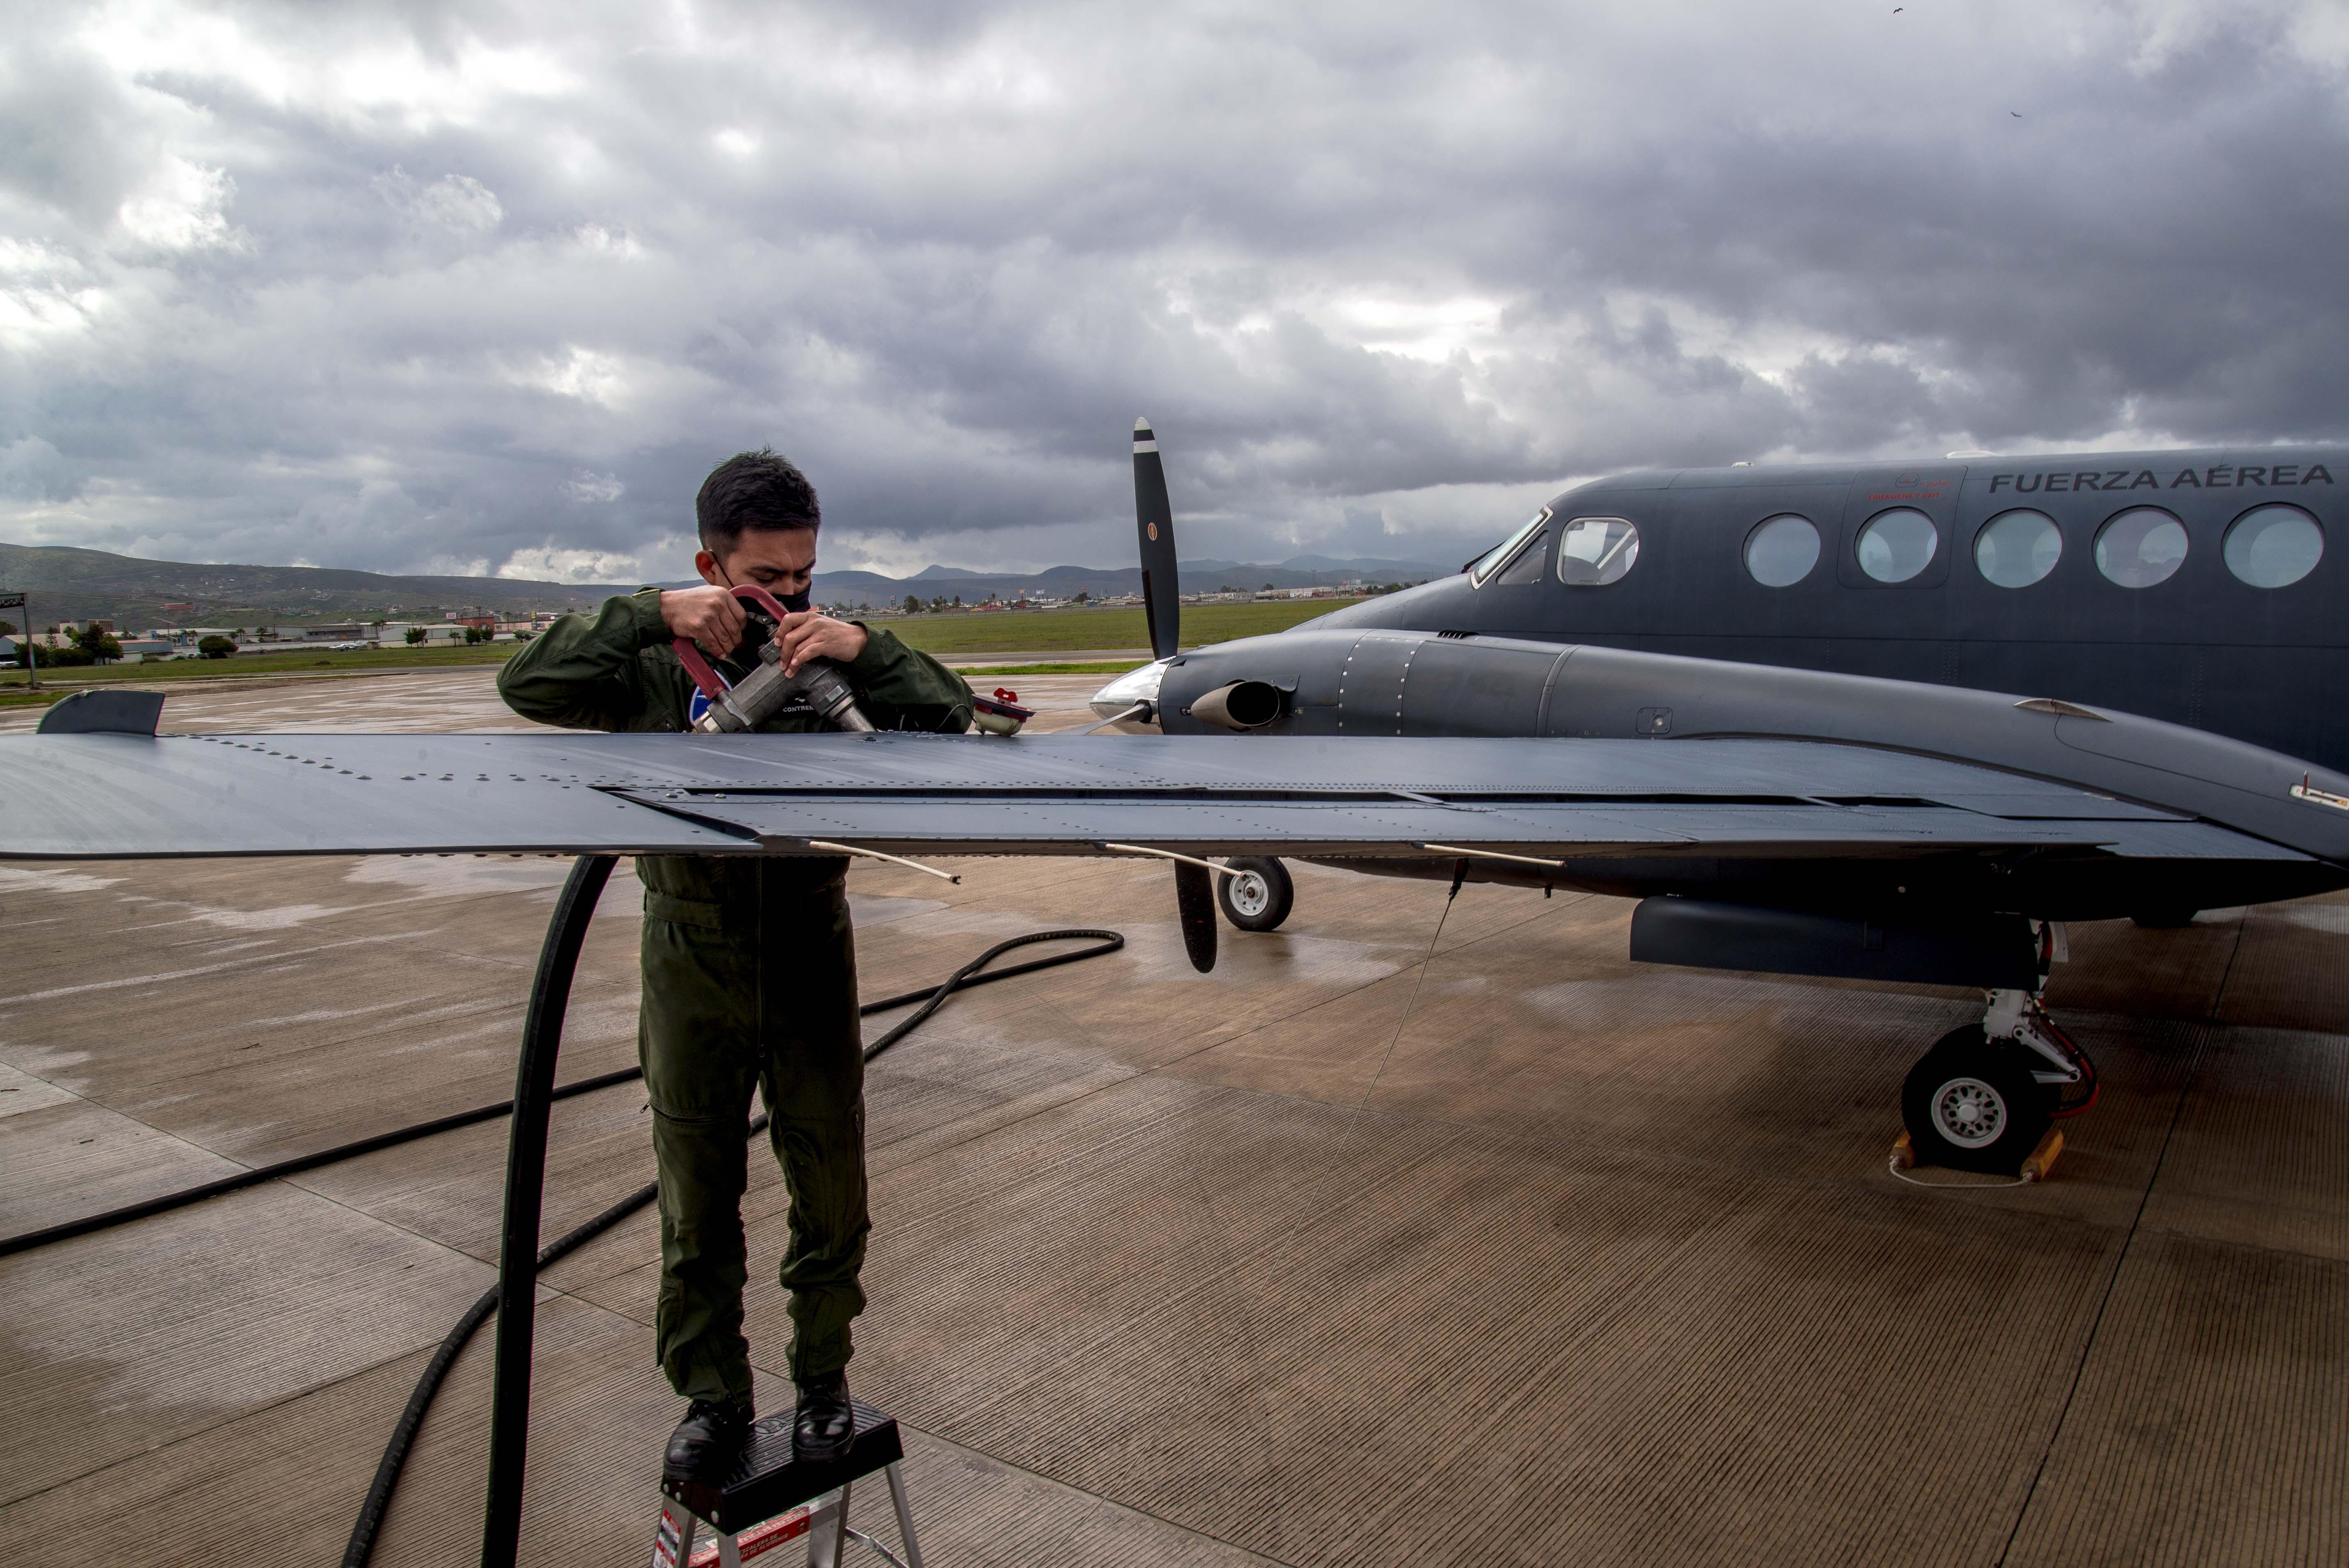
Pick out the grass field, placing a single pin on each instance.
(305, 662)
(1100, 668)
(1044, 630)
(949, 635)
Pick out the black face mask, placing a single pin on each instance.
(755, 634)
(794, 603)
(754, 630)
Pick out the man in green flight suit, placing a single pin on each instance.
(750, 970)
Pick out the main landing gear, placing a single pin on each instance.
(1258, 896)
(1982, 1098)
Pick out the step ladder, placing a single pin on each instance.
(774, 1498)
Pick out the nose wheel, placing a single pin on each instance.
(1258, 896)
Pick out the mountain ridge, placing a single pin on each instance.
(72, 582)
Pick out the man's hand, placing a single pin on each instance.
(710, 615)
(811, 634)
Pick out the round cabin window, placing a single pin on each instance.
(2141, 547)
(1896, 545)
(2016, 549)
(1596, 551)
(1782, 550)
(2273, 546)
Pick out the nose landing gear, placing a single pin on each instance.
(1985, 1095)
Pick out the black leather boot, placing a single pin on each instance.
(706, 1444)
(823, 1423)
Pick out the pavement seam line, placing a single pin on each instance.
(2120, 1256)
(1309, 1007)
(1099, 1501)
(1269, 1246)
(227, 1421)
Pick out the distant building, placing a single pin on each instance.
(323, 632)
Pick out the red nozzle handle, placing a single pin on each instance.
(712, 686)
(708, 679)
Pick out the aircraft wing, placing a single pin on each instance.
(117, 795)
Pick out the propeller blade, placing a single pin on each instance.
(1153, 526)
(1194, 901)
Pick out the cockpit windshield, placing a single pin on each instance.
(1483, 566)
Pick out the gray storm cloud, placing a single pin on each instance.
(490, 287)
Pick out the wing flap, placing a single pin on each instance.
(1238, 823)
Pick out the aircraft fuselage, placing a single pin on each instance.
(2140, 583)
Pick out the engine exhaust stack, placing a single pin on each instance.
(1242, 706)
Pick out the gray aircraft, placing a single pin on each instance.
(2148, 627)
(1615, 698)
(1510, 724)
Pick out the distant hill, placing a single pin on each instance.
(1102, 582)
(71, 584)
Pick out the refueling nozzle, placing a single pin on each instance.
(766, 690)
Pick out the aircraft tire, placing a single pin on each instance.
(1259, 897)
(1969, 1105)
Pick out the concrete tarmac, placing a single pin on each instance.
(1375, 1245)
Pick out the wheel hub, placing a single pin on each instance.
(1969, 1112)
(1249, 895)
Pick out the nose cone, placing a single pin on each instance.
(1133, 686)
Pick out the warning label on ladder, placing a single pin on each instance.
(754, 1542)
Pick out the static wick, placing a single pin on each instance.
(1171, 856)
(892, 860)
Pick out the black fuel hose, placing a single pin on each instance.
(961, 980)
(411, 1419)
(403, 1436)
(293, 1167)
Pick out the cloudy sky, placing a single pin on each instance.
(489, 286)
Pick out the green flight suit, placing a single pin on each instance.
(750, 977)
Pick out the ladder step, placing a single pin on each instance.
(769, 1479)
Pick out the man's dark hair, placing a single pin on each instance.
(755, 490)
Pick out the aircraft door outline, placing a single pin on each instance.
(1929, 488)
